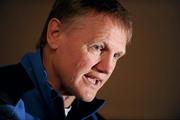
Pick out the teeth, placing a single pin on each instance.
(93, 81)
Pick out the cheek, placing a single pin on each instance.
(86, 62)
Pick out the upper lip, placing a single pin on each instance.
(93, 77)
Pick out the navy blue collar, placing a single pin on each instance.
(32, 63)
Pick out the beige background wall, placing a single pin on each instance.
(146, 82)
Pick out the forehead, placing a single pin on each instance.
(98, 27)
(94, 20)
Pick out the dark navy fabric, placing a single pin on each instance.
(25, 94)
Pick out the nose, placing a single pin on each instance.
(105, 65)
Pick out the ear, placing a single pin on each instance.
(54, 33)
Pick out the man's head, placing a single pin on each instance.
(67, 10)
(82, 41)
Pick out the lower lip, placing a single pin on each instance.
(89, 82)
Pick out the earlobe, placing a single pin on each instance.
(54, 33)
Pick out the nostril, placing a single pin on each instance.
(97, 81)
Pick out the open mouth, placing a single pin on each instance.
(92, 80)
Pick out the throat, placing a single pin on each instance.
(68, 100)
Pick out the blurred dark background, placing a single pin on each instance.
(146, 82)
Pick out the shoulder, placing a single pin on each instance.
(13, 82)
(15, 112)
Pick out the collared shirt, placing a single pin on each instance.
(67, 110)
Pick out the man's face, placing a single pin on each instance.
(87, 55)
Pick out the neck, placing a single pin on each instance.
(54, 81)
(68, 100)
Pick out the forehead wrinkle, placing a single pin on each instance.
(103, 23)
(81, 21)
(121, 41)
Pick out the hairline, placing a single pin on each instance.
(115, 20)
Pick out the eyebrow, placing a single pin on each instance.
(119, 53)
(106, 46)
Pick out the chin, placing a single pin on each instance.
(87, 98)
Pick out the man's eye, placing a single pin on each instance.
(117, 56)
(98, 47)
